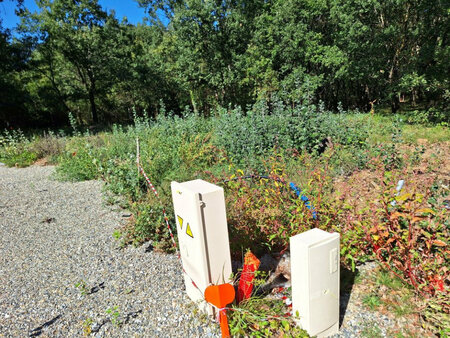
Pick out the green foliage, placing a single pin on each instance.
(80, 161)
(371, 301)
(74, 56)
(302, 128)
(171, 148)
(15, 149)
(259, 317)
(431, 116)
(114, 316)
(19, 158)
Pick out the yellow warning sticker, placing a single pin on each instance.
(189, 231)
(180, 221)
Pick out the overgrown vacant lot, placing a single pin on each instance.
(310, 114)
(348, 165)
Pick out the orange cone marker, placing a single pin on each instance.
(220, 296)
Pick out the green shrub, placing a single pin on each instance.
(432, 116)
(18, 158)
(246, 136)
(81, 161)
(15, 149)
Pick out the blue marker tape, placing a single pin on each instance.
(305, 199)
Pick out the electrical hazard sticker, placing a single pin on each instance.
(180, 222)
(188, 228)
(189, 231)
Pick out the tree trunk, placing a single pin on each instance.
(93, 106)
(194, 104)
(92, 97)
(394, 104)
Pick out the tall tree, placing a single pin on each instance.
(393, 46)
(209, 39)
(80, 40)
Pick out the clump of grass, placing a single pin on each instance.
(386, 278)
(372, 301)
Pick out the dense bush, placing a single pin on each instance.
(245, 136)
(408, 231)
(429, 117)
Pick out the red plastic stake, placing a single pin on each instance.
(220, 296)
(245, 288)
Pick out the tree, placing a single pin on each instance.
(13, 54)
(78, 48)
(291, 53)
(208, 40)
(391, 46)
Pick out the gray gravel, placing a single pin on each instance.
(55, 235)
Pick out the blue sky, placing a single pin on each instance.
(128, 8)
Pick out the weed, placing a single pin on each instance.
(404, 306)
(386, 278)
(15, 149)
(406, 237)
(48, 146)
(114, 316)
(436, 314)
(117, 234)
(372, 301)
(371, 330)
(87, 326)
(83, 287)
(258, 317)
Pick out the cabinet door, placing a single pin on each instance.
(324, 285)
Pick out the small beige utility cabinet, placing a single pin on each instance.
(202, 237)
(315, 281)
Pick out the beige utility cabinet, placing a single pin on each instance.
(202, 236)
(315, 281)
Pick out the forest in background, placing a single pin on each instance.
(72, 56)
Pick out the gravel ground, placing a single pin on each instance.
(63, 274)
(54, 235)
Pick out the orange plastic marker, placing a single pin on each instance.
(220, 296)
(251, 264)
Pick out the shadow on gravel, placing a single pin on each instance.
(133, 314)
(130, 315)
(347, 281)
(38, 331)
(97, 288)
